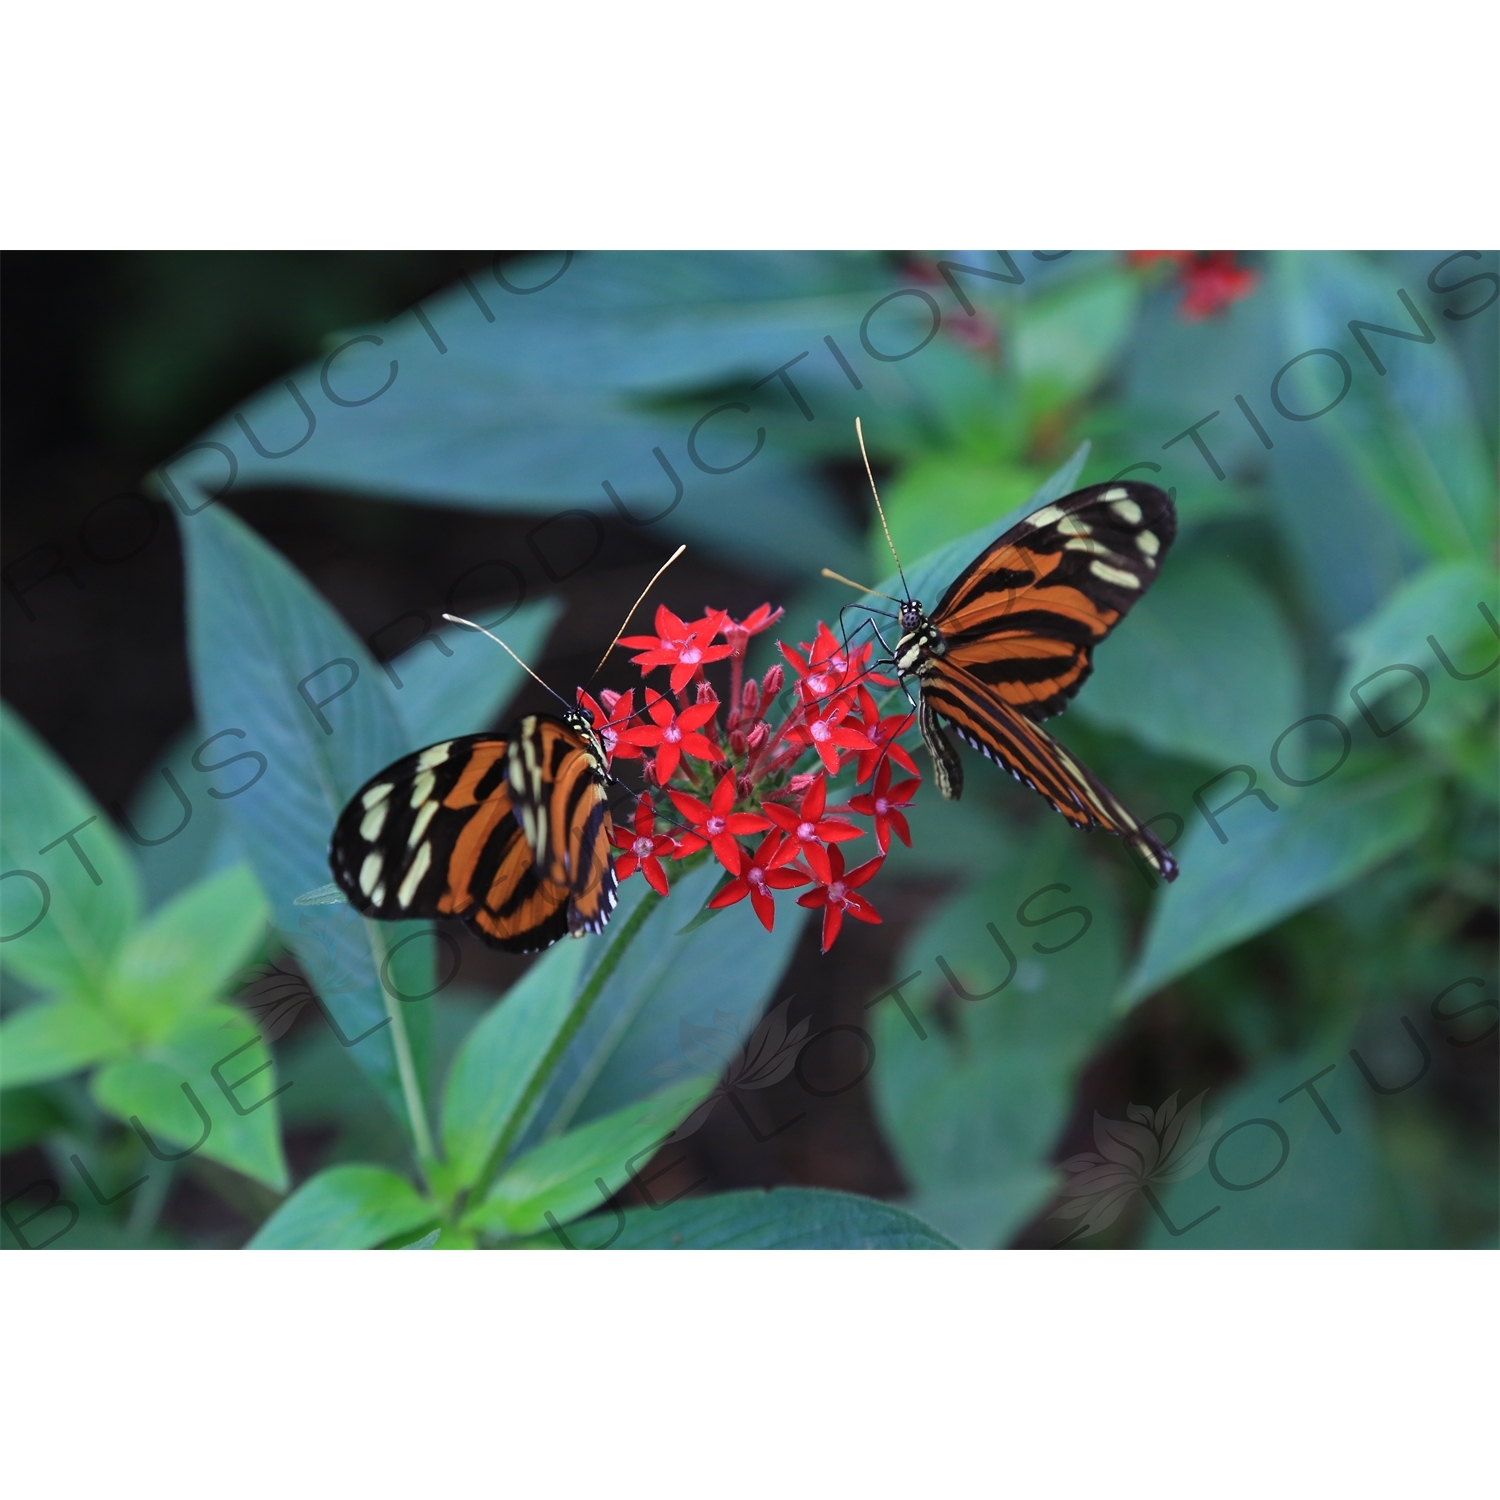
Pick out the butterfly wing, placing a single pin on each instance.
(1004, 735)
(1024, 617)
(556, 778)
(436, 834)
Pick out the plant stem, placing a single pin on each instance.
(406, 1066)
(584, 1003)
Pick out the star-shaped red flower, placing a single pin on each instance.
(738, 632)
(674, 734)
(836, 895)
(645, 847)
(825, 731)
(809, 829)
(756, 876)
(884, 804)
(881, 733)
(714, 823)
(685, 648)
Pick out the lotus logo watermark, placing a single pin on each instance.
(1136, 1155)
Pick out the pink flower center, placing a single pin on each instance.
(690, 656)
(757, 878)
(821, 731)
(715, 826)
(610, 738)
(643, 846)
(836, 892)
(807, 831)
(817, 684)
(672, 734)
(882, 807)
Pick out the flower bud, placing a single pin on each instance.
(760, 732)
(800, 784)
(750, 700)
(706, 693)
(772, 681)
(744, 787)
(737, 742)
(609, 697)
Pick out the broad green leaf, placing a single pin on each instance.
(562, 1176)
(460, 686)
(1204, 668)
(353, 1207)
(783, 1219)
(55, 1037)
(1442, 601)
(1322, 1197)
(723, 973)
(501, 1058)
(256, 630)
(427, 1242)
(217, 1058)
(929, 577)
(1411, 434)
(187, 953)
(973, 1108)
(946, 495)
(1276, 863)
(64, 917)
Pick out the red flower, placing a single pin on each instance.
(836, 895)
(714, 823)
(738, 632)
(1210, 279)
(881, 733)
(645, 847)
(610, 720)
(810, 830)
(824, 731)
(684, 648)
(884, 804)
(823, 671)
(675, 734)
(756, 877)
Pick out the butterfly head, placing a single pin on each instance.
(912, 618)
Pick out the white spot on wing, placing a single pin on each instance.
(1045, 516)
(1127, 510)
(377, 794)
(1114, 575)
(435, 755)
(1086, 544)
(1117, 494)
(373, 821)
(420, 826)
(1149, 543)
(419, 867)
(369, 872)
(421, 788)
(1073, 526)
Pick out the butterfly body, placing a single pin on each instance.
(509, 833)
(1012, 640)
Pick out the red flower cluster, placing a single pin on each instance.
(1210, 279)
(740, 778)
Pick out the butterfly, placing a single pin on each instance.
(510, 833)
(1012, 640)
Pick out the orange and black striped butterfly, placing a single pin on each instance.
(510, 833)
(1012, 640)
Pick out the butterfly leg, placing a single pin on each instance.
(947, 769)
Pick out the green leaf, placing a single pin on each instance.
(1066, 339)
(161, 1082)
(562, 1176)
(782, 1219)
(1323, 1197)
(1276, 863)
(83, 917)
(1411, 434)
(187, 953)
(427, 1242)
(461, 692)
(352, 1207)
(1204, 668)
(945, 495)
(56, 1037)
(501, 1057)
(256, 630)
(973, 1108)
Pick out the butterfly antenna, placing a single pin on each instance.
(859, 432)
(470, 625)
(626, 623)
(863, 588)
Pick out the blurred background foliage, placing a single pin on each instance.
(540, 416)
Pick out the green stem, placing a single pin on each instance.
(584, 1003)
(406, 1065)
